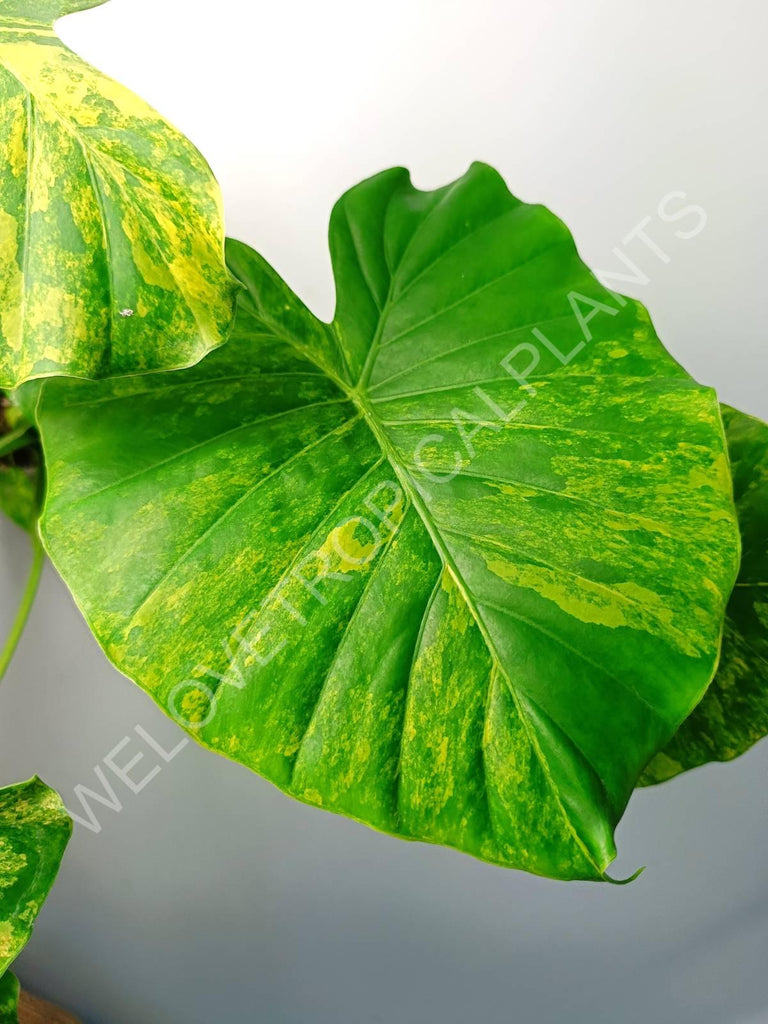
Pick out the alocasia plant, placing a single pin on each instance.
(376, 563)
(111, 237)
(455, 565)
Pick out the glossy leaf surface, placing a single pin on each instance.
(111, 235)
(34, 831)
(424, 566)
(734, 712)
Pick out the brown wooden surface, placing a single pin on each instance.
(37, 1011)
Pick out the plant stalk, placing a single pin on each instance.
(16, 439)
(27, 600)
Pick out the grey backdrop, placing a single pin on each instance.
(210, 897)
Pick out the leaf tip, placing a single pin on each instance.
(623, 881)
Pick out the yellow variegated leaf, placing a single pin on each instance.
(34, 831)
(454, 565)
(111, 231)
(9, 999)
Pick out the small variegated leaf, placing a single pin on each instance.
(9, 999)
(455, 565)
(111, 231)
(734, 712)
(34, 831)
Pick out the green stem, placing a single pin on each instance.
(28, 599)
(15, 440)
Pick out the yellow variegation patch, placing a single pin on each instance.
(111, 229)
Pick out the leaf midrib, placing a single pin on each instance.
(358, 395)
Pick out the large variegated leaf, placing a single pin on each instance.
(455, 565)
(9, 999)
(34, 831)
(734, 712)
(111, 236)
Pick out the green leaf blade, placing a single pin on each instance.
(111, 237)
(34, 832)
(398, 579)
(9, 999)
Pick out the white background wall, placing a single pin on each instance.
(213, 899)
